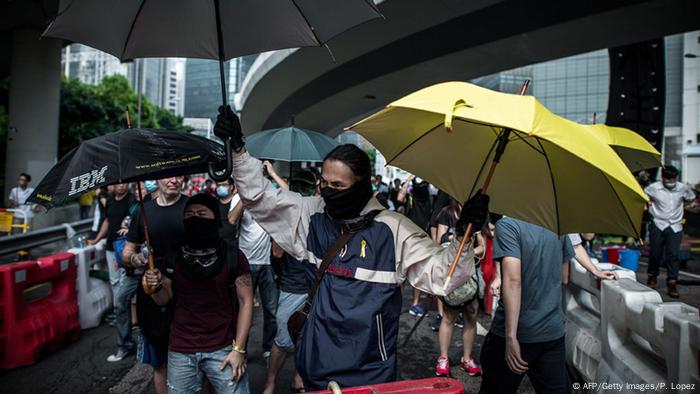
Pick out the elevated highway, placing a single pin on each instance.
(422, 42)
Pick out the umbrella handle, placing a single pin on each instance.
(217, 177)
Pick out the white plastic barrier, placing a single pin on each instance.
(646, 343)
(583, 344)
(94, 295)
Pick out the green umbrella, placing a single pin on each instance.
(290, 144)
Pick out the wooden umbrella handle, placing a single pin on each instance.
(151, 262)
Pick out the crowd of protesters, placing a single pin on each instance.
(338, 245)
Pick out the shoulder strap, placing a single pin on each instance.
(331, 252)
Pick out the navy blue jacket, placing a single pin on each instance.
(350, 334)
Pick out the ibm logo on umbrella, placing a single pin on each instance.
(87, 181)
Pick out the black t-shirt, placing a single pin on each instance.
(165, 224)
(117, 210)
(441, 201)
(447, 218)
(419, 210)
(294, 277)
(228, 232)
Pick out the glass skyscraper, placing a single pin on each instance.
(203, 87)
(576, 87)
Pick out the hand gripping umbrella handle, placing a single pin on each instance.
(151, 262)
(219, 177)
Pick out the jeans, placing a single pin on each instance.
(264, 281)
(546, 366)
(186, 372)
(664, 245)
(114, 274)
(289, 303)
(122, 308)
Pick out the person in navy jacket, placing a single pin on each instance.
(351, 331)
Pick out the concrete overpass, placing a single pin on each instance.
(422, 42)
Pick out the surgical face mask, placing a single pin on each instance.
(222, 191)
(150, 186)
(669, 184)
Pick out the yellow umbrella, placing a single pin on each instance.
(552, 172)
(636, 152)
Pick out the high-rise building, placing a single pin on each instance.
(163, 78)
(203, 87)
(577, 87)
(89, 65)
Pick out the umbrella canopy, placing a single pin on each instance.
(130, 29)
(208, 29)
(290, 144)
(636, 152)
(126, 156)
(553, 172)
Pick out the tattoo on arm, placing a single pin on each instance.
(244, 281)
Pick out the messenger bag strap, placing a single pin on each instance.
(331, 252)
(339, 243)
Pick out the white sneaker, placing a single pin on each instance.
(117, 357)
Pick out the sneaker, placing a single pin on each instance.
(117, 357)
(460, 321)
(436, 324)
(266, 356)
(416, 310)
(470, 367)
(443, 367)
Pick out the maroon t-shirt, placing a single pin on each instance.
(204, 319)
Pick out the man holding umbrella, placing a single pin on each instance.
(167, 233)
(363, 252)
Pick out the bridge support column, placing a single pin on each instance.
(34, 98)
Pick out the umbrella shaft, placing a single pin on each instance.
(220, 41)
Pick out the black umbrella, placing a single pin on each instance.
(127, 156)
(206, 29)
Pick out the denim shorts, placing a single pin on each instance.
(288, 304)
(186, 372)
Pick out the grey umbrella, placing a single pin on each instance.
(208, 29)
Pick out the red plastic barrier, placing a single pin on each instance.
(29, 327)
(432, 385)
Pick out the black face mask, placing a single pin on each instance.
(347, 204)
(201, 233)
(420, 191)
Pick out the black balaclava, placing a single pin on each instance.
(201, 233)
(420, 191)
(201, 257)
(347, 204)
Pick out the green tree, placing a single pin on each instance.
(89, 111)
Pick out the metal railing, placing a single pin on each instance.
(26, 241)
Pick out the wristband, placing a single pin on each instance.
(237, 349)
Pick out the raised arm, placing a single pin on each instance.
(282, 214)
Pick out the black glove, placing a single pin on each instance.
(474, 211)
(229, 126)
